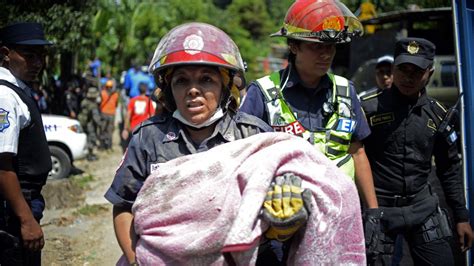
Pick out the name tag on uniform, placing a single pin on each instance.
(453, 137)
(346, 125)
(154, 167)
(294, 128)
(382, 119)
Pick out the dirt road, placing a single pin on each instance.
(77, 222)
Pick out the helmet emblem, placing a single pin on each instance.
(332, 23)
(193, 44)
(413, 47)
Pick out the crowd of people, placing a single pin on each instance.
(100, 101)
(383, 140)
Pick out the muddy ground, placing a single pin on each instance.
(77, 222)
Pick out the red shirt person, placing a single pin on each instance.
(139, 109)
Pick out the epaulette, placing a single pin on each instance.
(438, 108)
(157, 119)
(370, 94)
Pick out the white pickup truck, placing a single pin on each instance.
(67, 142)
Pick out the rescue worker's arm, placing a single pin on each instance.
(126, 125)
(10, 190)
(465, 235)
(448, 166)
(253, 103)
(96, 116)
(363, 175)
(126, 237)
(128, 180)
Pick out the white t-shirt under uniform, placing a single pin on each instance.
(14, 114)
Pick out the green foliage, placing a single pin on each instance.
(122, 32)
(249, 25)
(277, 10)
(128, 33)
(67, 25)
(83, 181)
(92, 210)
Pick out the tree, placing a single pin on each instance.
(277, 10)
(66, 24)
(249, 25)
(127, 33)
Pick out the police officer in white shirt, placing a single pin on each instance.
(25, 160)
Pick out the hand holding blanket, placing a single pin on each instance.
(286, 207)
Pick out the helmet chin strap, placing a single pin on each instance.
(218, 114)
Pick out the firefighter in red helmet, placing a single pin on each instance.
(197, 66)
(307, 100)
(325, 21)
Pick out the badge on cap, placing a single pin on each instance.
(413, 47)
(193, 44)
(4, 123)
(332, 23)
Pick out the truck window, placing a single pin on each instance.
(448, 74)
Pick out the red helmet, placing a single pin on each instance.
(320, 21)
(196, 43)
(202, 44)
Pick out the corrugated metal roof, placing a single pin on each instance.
(411, 15)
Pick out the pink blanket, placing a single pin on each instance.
(198, 206)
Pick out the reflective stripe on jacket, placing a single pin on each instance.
(334, 138)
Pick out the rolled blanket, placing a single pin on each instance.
(197, 207)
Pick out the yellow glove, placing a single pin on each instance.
(286, 207)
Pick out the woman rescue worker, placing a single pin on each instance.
(195, 64)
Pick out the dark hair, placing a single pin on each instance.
(291, 55)
(383, 63)
(142, 87)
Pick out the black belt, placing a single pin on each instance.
(403, 200)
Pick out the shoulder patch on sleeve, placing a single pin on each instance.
(438, 108)
(4, 123)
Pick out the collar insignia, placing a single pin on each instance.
(431, 124)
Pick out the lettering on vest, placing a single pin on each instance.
(346, 125)
(294, 128)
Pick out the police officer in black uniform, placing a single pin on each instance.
(407, 131)
(25, 160)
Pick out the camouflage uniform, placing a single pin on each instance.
(89, 116)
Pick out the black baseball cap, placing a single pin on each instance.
(417, 51)
(24, 33)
